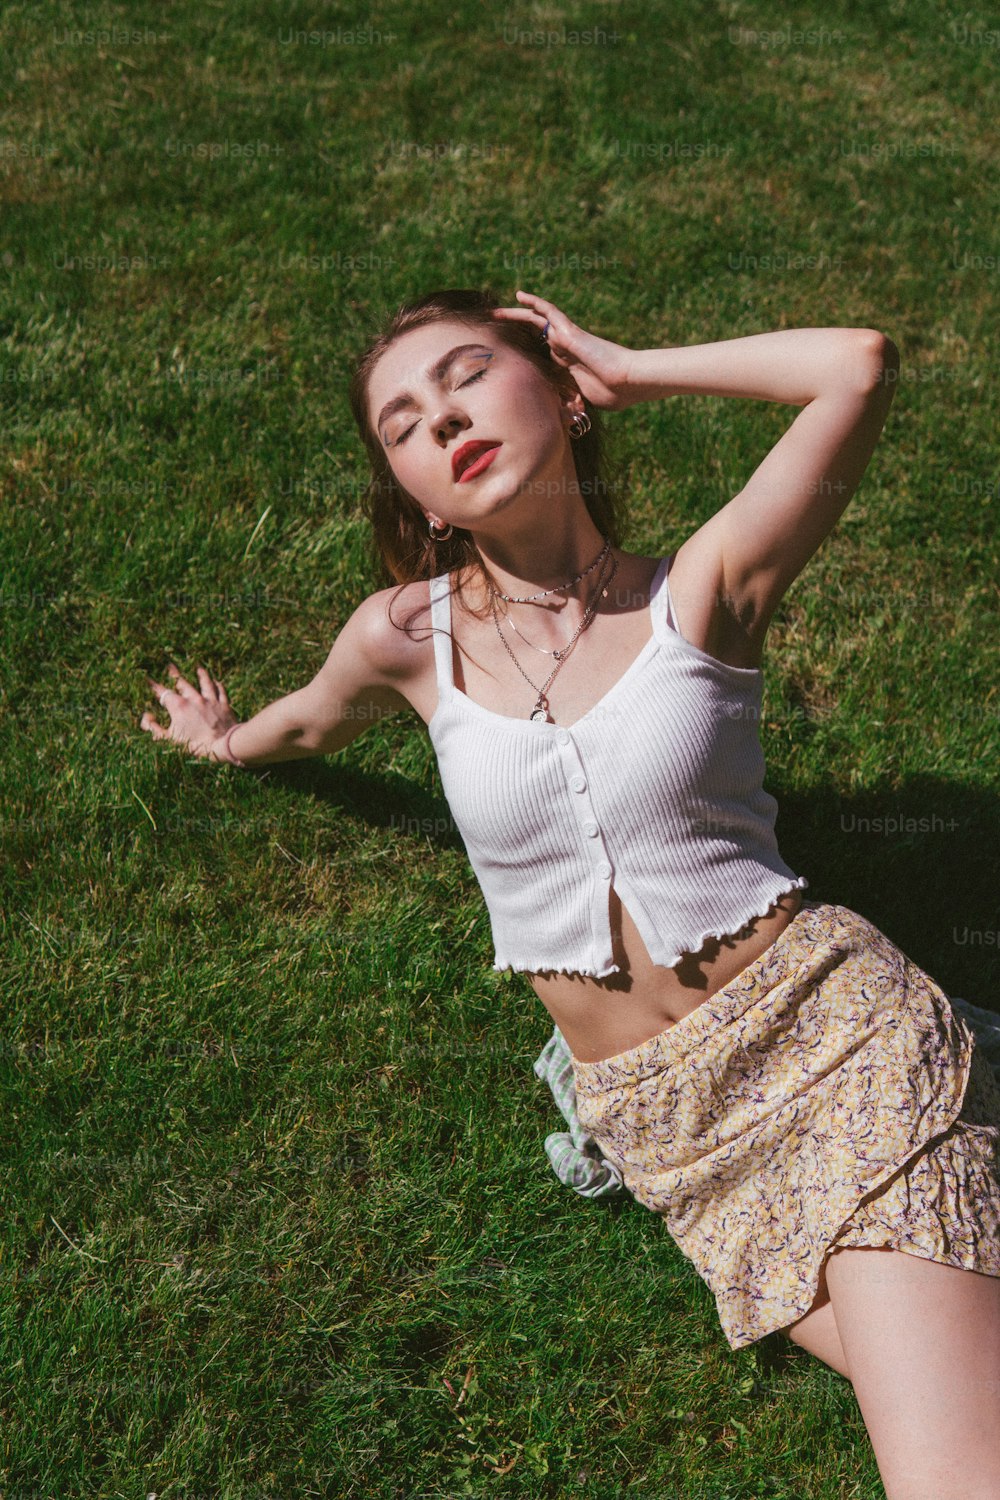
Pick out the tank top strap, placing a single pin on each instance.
(440, 591)
(670, 617)
(661, 606)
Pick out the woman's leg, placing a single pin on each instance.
(923, 1343)
(817, 1331)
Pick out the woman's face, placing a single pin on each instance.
(450, 384)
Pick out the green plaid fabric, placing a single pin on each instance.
(986, 1028)
(575, 1156)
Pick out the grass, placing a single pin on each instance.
(277, 1217)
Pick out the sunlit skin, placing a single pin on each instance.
(525, 512)
(919, 1340)
(529, 520)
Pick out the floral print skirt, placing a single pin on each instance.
(827, 1096)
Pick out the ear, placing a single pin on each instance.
(569, 394)
(573, 404)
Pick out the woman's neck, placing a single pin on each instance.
(548, 568)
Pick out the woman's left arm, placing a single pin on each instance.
(844, 379)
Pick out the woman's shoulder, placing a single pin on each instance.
(396, 625)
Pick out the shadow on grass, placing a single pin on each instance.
(919, 861)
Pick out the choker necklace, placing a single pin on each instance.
(541, 707)
(512, 598)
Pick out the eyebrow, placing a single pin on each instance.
(401, 402)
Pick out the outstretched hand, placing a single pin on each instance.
(599, 367)
(197, 719)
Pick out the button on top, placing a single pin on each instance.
(604, 870)
(562, 736)
(578, 784)
(590, 829)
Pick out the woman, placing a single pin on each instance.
(769, 1072)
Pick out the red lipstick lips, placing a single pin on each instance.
(472, 458)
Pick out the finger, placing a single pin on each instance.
(519, 314)
(541, 304)
(159, 691)
(223, 696)
(554, 338)
(208, 687)
(156, 730)
(182, 686)
(553, 324)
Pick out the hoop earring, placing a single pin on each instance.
(579, 425)
(439, 536)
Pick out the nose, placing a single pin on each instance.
(446, 426)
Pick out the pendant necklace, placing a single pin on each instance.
(604, 580)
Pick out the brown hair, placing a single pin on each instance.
(404, 549)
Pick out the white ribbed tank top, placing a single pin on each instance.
(656, 792)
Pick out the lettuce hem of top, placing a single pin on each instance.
(542, 967)
(800, 883)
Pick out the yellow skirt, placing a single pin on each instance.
(827, 1096)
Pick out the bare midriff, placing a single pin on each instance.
(601, 1017)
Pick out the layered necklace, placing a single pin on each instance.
(608, 567)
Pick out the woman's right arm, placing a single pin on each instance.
(356, 685)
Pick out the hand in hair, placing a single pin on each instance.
(600, 368)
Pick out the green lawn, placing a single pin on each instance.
(274, 1182)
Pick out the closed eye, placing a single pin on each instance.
(402, 439)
